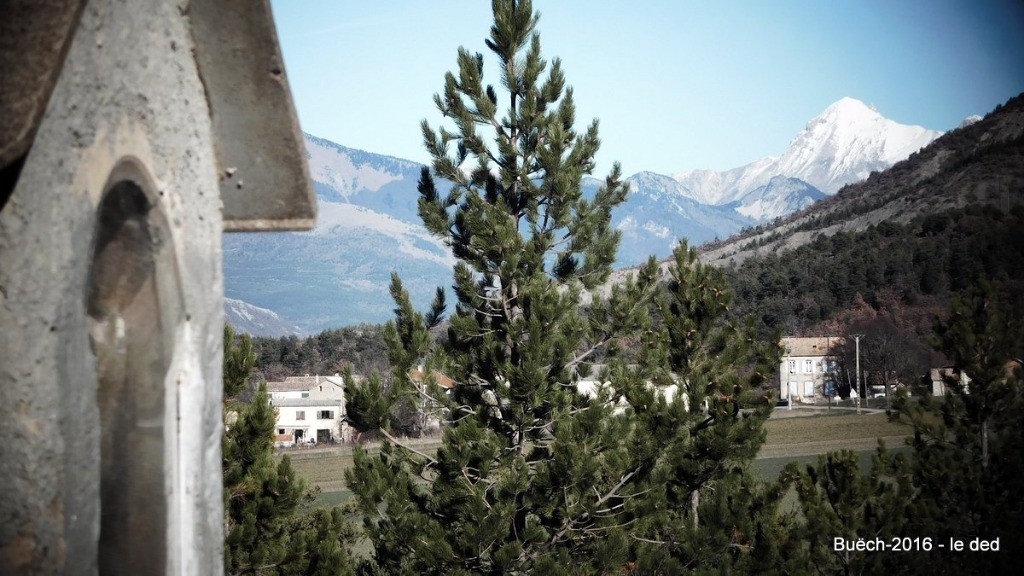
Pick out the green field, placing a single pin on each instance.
(799, 438)
(835, 430)
(325, 468)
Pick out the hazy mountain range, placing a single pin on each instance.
(338, 273)
(255, 320)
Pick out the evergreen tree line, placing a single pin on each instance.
(959, 483)
(912, 269)
(362, 347)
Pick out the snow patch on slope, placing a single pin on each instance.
(969, 120)
(256, 320)
(781, 196)
(409, 239)
(330, 165)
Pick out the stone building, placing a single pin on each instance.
(804, 369)
(132, 134)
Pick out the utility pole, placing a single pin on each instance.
(860, 391)
(789, 384)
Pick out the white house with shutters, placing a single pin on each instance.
(804, 370)
(310, 409)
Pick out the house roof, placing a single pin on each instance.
(304, 402)
(294, 384)
(339, 381)
(814, 346)
(443, 381)
(306, 383)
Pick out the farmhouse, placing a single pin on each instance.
(804, 372)
(941, 378)
(589, 385)
(310, 409)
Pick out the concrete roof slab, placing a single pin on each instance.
(264, 177)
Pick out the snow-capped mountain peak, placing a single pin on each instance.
(846, 142)
(842, 145)
(850, 110)
(969, 120)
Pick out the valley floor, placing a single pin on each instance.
(799, 434)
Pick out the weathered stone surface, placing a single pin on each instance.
(34, 37)
(129, 91)
(264, 181)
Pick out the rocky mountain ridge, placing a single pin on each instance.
(842, 145)
(338, 273)
(982, 162)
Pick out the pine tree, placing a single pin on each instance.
(962, 478)
(968, 449)
(837, 500)
(703, 512)
(239, 361)
(537, 473)
(266, 529)
(259, 495)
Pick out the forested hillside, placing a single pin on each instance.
(909, 269)
(982, 163)
(325, 353)
(886, 256)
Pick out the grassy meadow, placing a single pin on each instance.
(789, 437)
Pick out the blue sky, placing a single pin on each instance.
(676, 85)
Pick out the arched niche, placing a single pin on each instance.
(133, 302)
